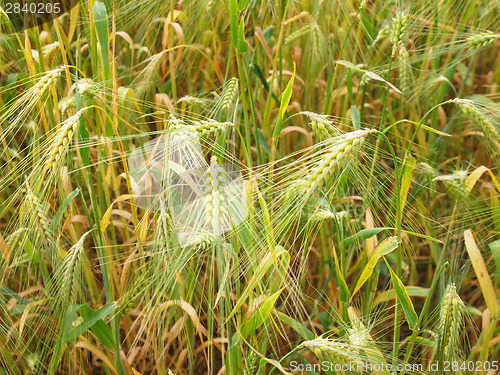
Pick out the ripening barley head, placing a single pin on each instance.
(481, 40)
(33, 215)
(69, 273)
(333, 350)
(62, 139)
(147, 77)
(216, 209)
(450, 325)
(19, 112)
(485, 115)
(398, 30)
(323, 128)
(229, 95)
(336, 153)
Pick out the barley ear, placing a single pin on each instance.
(479, 118)
(229, 95)
(481, 40)
(332, 350)
(450, 323)
(335, 154)
(70, 272)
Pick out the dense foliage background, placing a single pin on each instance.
(242, 186)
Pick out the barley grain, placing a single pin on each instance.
(481, 40)
(335, 154)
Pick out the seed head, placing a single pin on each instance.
(335, 155)
(63, 138)
(398, 30)
(481, 40)
(450, 321)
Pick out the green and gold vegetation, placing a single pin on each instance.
(363, 224)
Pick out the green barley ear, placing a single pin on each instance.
(332, 350)
(202, 128)
(216, 211)
(229, 95)
(24, 105)
(481, 40)
(324, 214)
(166, 235)
(398, 31)
(32, 212)
(455, 183)
(384, 32)
(43, 85)
(251, 362)
(405, 69)
(303, 31)
(337, 151)
(451, 321)
(321, 126)
(147, 77)
(49, 52)
(316, 40)
(62, 139)
(479, 117)
(198, 241)
(69, 274)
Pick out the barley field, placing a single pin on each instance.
(250, 187)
